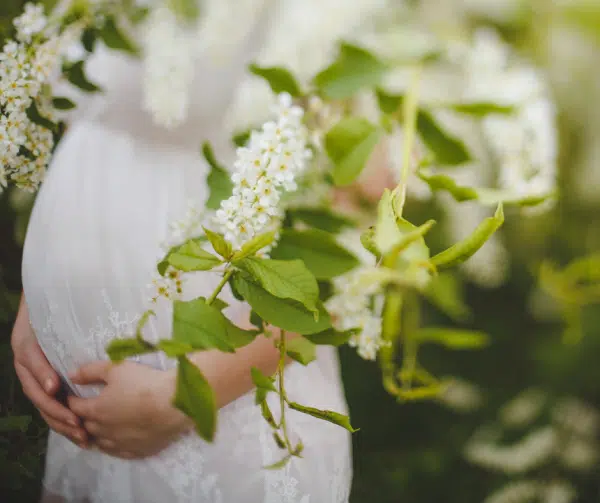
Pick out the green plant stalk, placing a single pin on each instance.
(228, 273)
(410, 112)
(282, 395)
(391, 318)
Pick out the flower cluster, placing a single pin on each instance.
(26, 66)
(168, 68)
(264, 169)
(357, 305)
(524, 143)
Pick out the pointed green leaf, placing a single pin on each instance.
(447, 149)
(462, 251)
(75, 74)
(446, 293)
(196, 399)
(61, 103)
(192, 257)
(241, 139)
(119, 349)
(321, 218)
(253, 246)
(200, 325)
(219, 304)
(349, 145)
(34, 115)
(114, 38)
(286, 279)
(481, 109)
(444, 182)
(330, 337)
(218, 179)
(142, 323)
(174, 349)
(389, 104)
(453, 338)
(238, 337)
(264, 408)
(164, 263)
(367, 239)
(219, 244)
(278, 440)
(326, 415)
(284, 313)
(386, 234)
(354, 69)
(279, 464)
(319, 251)
(280, 79)
(301, 350)
(262, 381)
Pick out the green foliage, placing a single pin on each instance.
(75, 74)
(219, 244)
(195, 398)
(326, 415)
(321, 218)
(319, 251)
(284, 313)
(279, 79)
(192, 257)
(218, 179)
(301, 350)
(115, 38)
(120, 349)
(329, 337)
(462, 251)
(354, 69)
(452, 338)
(252, 247)
(349, 145)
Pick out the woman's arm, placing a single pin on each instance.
(133, 417)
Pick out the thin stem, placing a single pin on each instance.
(282, 395)
(410, 114)
(220, 286)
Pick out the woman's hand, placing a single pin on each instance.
(40, 382)
(133, 416)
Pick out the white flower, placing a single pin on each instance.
(524, 491)
(168, 68)
(265, 169)
(31, 22)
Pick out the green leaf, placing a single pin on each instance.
(285, 279)
(353, 70)
(14, 423)
(219, 244)
(284, 313)
(326, 415)
(264, 408)
(278, 440)
(114, 38)
(218, 179)
(387, 233)
(444, 182)
(241, 139)
(75, 74)
(219, 304)
(280, 79)
(462, 251)
(319, 251)
(447, 149)
(192, 257)
(279, 464)
(253, 246)
(482, 109)
(119, 349)
(349, 145)
(34, 115)
(367, 239)
(142, 323)
(201, 326)
(330, 337)
(256, 320)
(262, 381)
(321, 218)
(164, 263)
(238, 337)
(61, 103)
(89, 38)
(389, 104)
(301, 350)
(196, 399)
(174, 349)
(453, 338)
(488, 197)
(186, 10)
(445, 292)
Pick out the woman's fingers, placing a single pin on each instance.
(44, 402)
(35, 361)
(76, 435)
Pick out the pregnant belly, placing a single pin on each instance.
(94, 238)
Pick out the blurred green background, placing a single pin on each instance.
(414, 453)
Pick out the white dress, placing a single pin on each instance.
(115, 185)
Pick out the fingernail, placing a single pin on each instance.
(73, 422)
(49, 384)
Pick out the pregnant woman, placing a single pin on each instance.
(116, 184)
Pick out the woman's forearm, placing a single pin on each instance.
(229, 373)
